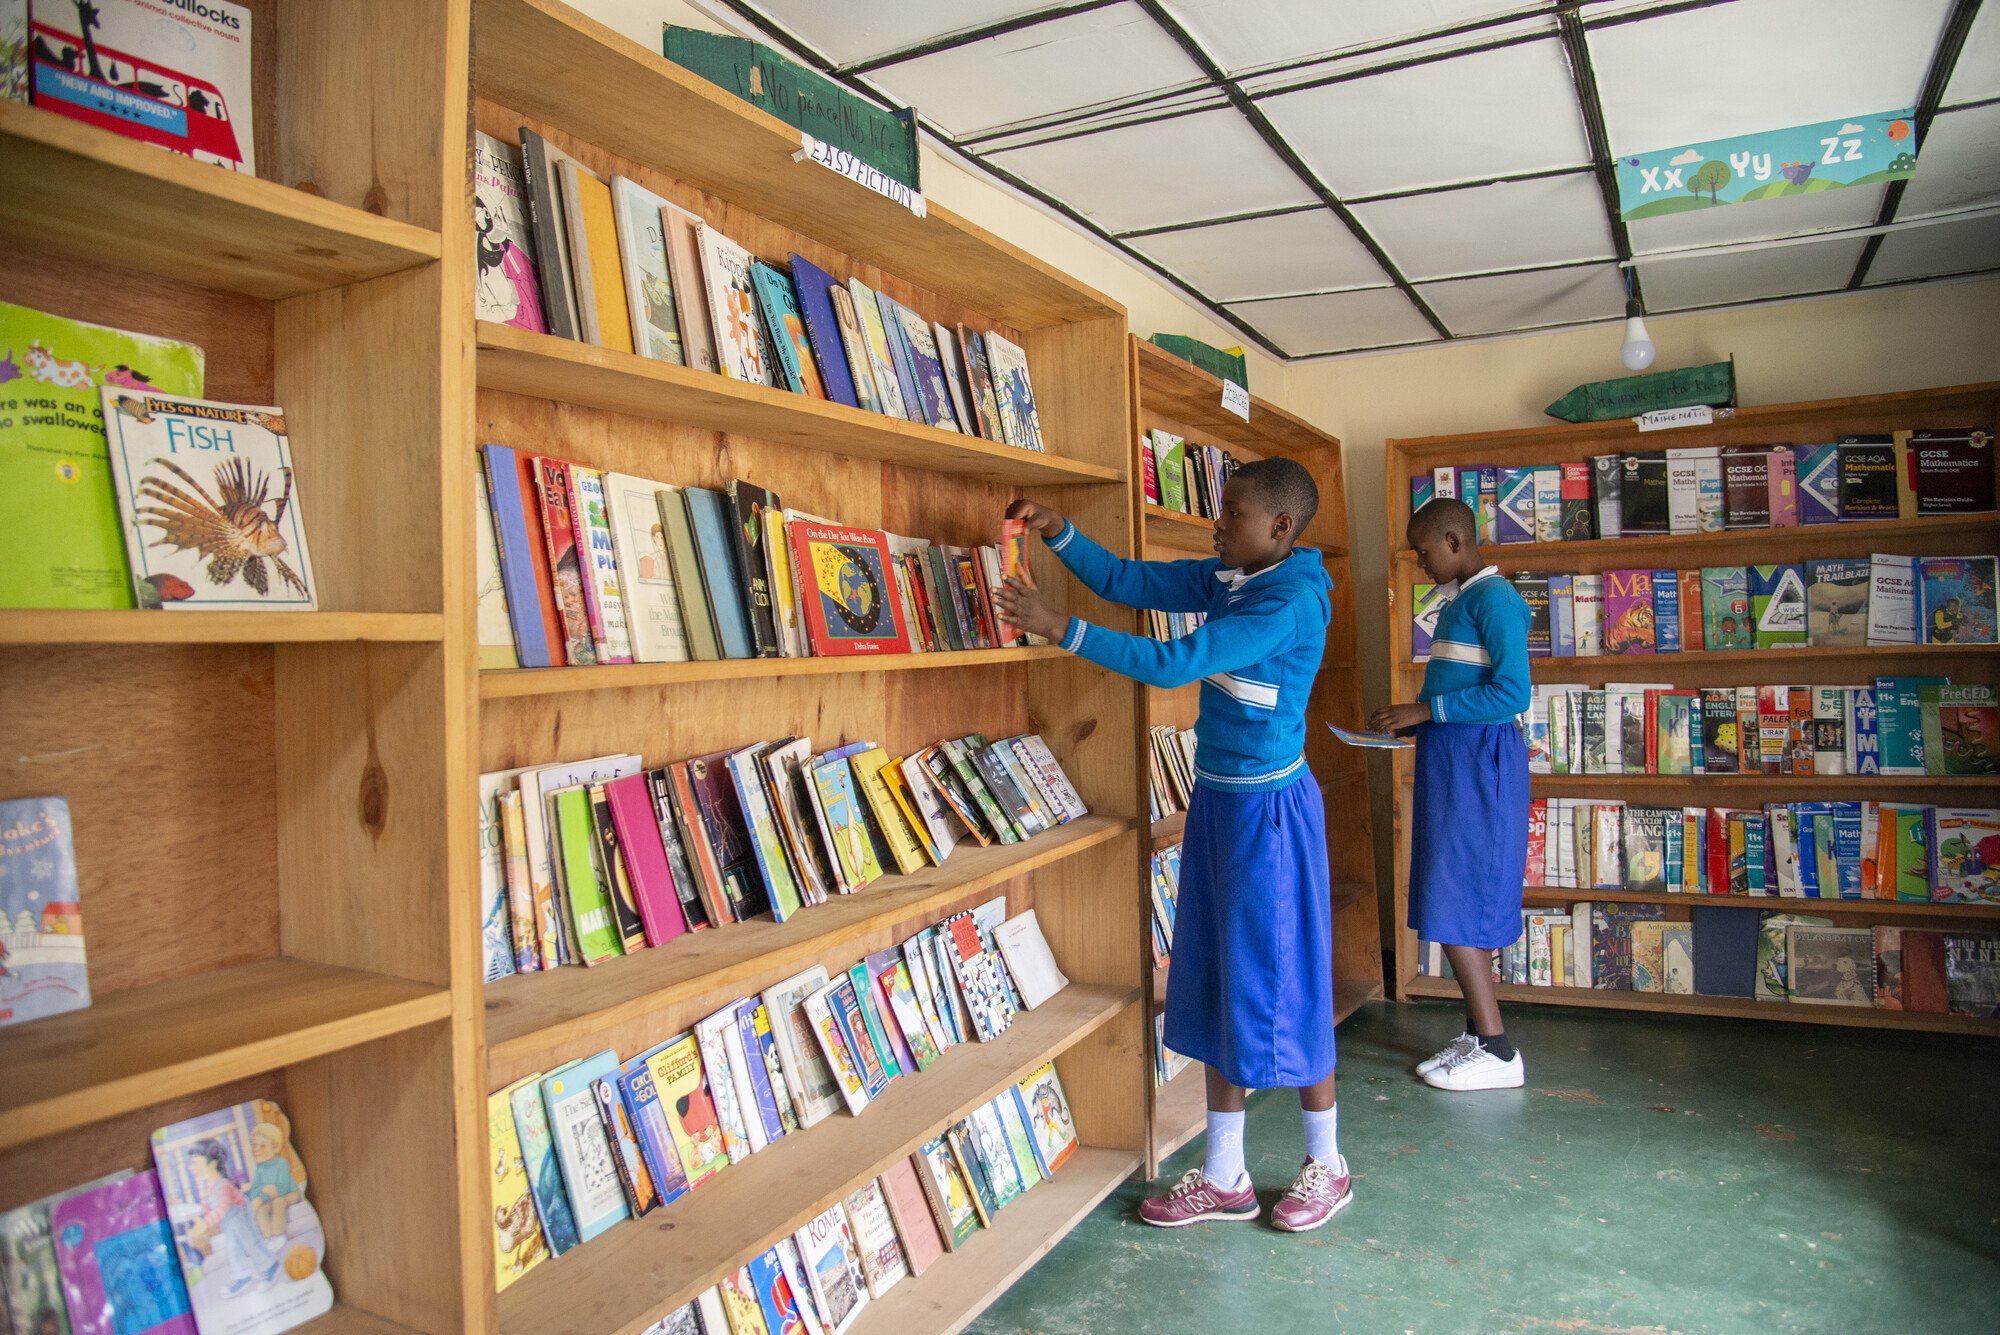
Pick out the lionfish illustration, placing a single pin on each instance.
(234, 533)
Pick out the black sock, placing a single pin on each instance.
(1497, 1044)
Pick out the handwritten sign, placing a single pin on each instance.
(854, 169)
(1236, 399)
(1699, 415)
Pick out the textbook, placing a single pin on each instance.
(1778, 605)
(1837, 602)
(1892, 600)
(1628, 612)
(1959, 605)
(1548, 503)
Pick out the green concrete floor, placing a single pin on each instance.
(1658, 1174)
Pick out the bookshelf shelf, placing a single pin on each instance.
(1890, 908)
(1730, 547)
(1191, 396)
(1744, 1008)
(641, 1270)
(1778, 785)
(543, 366)
(1182, 532)
(530, 1014)
(345, 1320)
(518, 682)
(134, 1048)
(1167, 830)
(183, 219)
(67, 626)
(1882, 659)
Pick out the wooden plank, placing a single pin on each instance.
(518, 682)
(67, 626)
(1779, 785)
(1182, 391)
(1180, 1112)
(1943, 535)
(1168, 829)
(1874, 659)
(184, 219)
(346, 1320)
(1885, 908)
(1351, 994)
(550, 62)
(543, 366)
(1182, 532)
(132, 1048)
(527, 1013)
(960, 1285)
(641, 1270)
(1743, 1008)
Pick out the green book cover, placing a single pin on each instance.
(1912, 868)
(1778, 604)
(1958, 729)
(1725, 608)
(989, 806)
(62, 543)
(589, 906)
(1167, 455)
(1899, 723)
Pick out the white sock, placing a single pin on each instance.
(1225, 1150)
(1323, 1137)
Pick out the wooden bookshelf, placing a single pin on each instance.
(1796, 423)
(515, 682)
(1172, 395)
(66, 626)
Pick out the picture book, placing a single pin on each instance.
(541, 176)
(1628, 612)
(62, 541)
(893, 396)
(726, 835)
(760, 1036)
(654, 887)
(543, 1166)
(910, 1211)
(206, 495)
(774, 1294)
(833, 1269)
(1014, 1121)
(30, 1283)
(492, 623)
(597, 561)
(615, 872)
(1008, 366)
(649, 284)
(495, 906)
(709, 518)
(594, 258)
(763, 1106)
(955, 378)
(979, 378)
(821, 323)
(1961, 728)
(903, 845)
(947, 1192)
(847, 829)
(831, 1037)
(1837, 602)
(796, 805)
(977, 972)
(959, 1138)
(746, 508)
(1029, 961)
(677, 1076)
(996, 1157)
(778, 303)
(728, 1086)
(1830, 966)
(761, 824)
(1778, 605)
(41, 917)
(581, 880)
(883, 1028)
(650, 1125)
(1964, 847)
(850, 607)
(872, 1060)
(1972, 974)
(904, 359)
(175, 77)
(118, 1261)
(874, 1236)
(740, 1307)
(732, 306)
(927, 364)
(509, 289)
(644, 569)
(1048, 1117)
(1958, 599)
(565, 562)
(854, 345)
(590, 1175)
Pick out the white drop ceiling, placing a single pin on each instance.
(1339, 176)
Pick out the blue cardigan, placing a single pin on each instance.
(1255, 656)
(1478, 671)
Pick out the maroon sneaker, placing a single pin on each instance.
(1195, 1199)
(1314, 1197)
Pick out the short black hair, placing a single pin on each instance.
(1285, 486)
(1445, 515)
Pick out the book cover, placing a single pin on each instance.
(645, 569)
(873, 1008)
(542, 181)
(795, 803)
(1684, 468)
(1830, 966)
(875, 341)
(1029, 960)
(650, 1128)
(1867, 478)
(678, 1079)
(1008, 365)
(1533, 587)
(779, 1305)
(833, 1268)
(841, 1058)
(1782, 478)
(732, 307)
(785, 611)
(1725, 608)
(1578, 519)
(725, 1064)
(597, 561)
(1046, 1110)
(959, 1138)
(854, 345)
(1961, 728)
(846, 828)
(680, 236)
(1548, 503)
(760, 1044)
(1667, 612)
(590, 1176)
(874, 1235)
(497, 935)
(1964, 848)
(654, 888)
(1888, 967)
(987, 1138)
(697, 616)
(1892, 600)
(566, 562)
(542, 1165)
(1628, 612)
(642, 1197)
(1778, 605)
(870, 1060)
(593, 245)
(516, 512)
(1725, 950)
(1514, 506)
(784, 319)
(901, 357)
(117, 1259)
(927, 364)
(30, 1282)
(979, 383)
(1958, 599)
(822, 320)
(909, 1209)
(639, 223)
(848, 604)
(205, 491)
(1562, 615)
(737, 1295)
(1837, 601)
(1923, 961)
(41, 917)
(1972, 974)
(956, 378)
(728, 834)
(748, 506)
(1607, 487)
(1746, 487)
(815, 1093)
(902, 840)
(1952, 470)
(1168, 451)
(584, 879)
(1644, 502)
(977, 973)
(710, 519)
(1899, 722)
(949, 1194)
(1819, 483)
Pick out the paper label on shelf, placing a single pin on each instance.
(1698, 415)
(854, 169)
(1236, 399)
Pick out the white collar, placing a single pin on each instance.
(1236, 579)
(1489, 571)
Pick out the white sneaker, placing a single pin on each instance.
(1463, 1043)
(1477, 1068)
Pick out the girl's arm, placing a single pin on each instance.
(1216, 646)
(1166, 586)
(1504, 632)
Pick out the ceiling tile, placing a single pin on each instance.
(1494, 113)
(1337, 321)
(1942, 248)
(1242, 37)
(1209, 165)
(1977, 74)
(1103, 55)
(1758, 220)
(1504, 302)
(1731, 69)
(1508, 226)
(1751, 275)
(854, 30)
(1958, 166)
(1261, 257)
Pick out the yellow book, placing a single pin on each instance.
(600, 281)
(676, 1072)
(906, 803)
(518, 1244)
(902, 840)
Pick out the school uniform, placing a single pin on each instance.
(1469, 832)
(1253, 932)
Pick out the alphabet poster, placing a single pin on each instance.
(1801, 160)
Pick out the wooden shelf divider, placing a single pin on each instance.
(517, 682)
(68, 626)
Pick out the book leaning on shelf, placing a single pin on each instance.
(1171, 768)
(1183, 476)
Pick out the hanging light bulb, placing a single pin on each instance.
(1637, 350)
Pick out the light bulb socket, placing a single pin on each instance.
(1634, 310)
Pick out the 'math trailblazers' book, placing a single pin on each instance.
(1837, 602)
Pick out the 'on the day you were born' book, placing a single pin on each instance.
(212, 521)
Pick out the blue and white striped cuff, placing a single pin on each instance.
(1267, 780)
(1062, 539)
(1072, 639)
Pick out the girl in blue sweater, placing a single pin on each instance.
(1253, 939)
(1469, 828)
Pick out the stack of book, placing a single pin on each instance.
(1903, 726)
(1800, 850)
(608, 262)
(1639, 493)
(1165, 886)
(1843, 602)
(588, 860)
(1186, 477)
(1172, 769)
(671, 1118)
(1730, 952)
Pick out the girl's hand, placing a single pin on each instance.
(1040, 518)
(1397, 718)
(1022, 606)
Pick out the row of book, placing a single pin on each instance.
(1166, 1062)
(566, 252)
(1800, 850)
(1832, 603)
(584, 861)
(819, 1280)
(1164, 885)
(1729, 952)
(1165, 626)
(1903, 726)
(1180, 475)
(216, 1238)
(580, 567)
(1171, 769)
(600, 1140)
(1710, 489)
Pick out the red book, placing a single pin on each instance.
(653, 886)
(565, 569)
(1718, 850)
(1652, 732)
(1538, 841)
(1149, 470)
(910, 1210)
(850, 605)
(1802, 730)
(1691, 631)
(1923, 972)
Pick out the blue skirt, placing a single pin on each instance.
(1252, 988)
(1469, 834)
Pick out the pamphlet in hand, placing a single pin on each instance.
(1379, 740)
